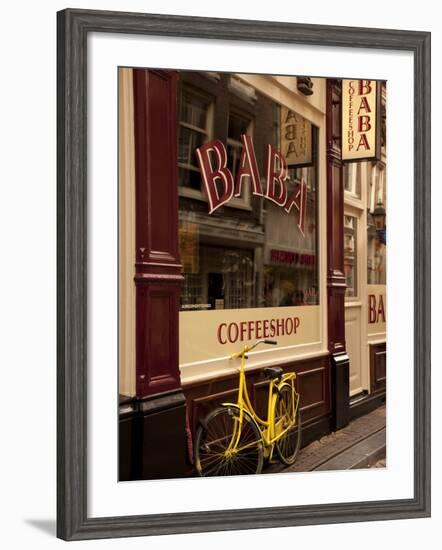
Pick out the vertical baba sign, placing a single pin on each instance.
(360, 120)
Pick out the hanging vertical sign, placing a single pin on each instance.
(360, 120)
(296, 138)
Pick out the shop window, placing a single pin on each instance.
(377, 226)
(376, 189)
(260, 260)
(350, 256)
(248, 221)
(238, 125)
(192, 290)
(352, 179)
(194, 130)
(254, 257)
(290, 267)
(229, 276)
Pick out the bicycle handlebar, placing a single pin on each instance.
(249, 348)
(272, 342)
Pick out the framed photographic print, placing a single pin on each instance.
(224, 190)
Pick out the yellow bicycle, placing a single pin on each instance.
(233, 439)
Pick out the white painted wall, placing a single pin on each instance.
(27, 219)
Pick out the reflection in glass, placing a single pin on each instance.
(250, 252)
(350, 255)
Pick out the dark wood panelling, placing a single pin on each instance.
(158, 276)
(162, 420)
(260, 394)
(313, 382)
(378, 367)
(312, 387)
(202, 406)
(152, 437)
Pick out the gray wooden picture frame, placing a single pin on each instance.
(73, 28)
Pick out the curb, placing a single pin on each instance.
(363, 454)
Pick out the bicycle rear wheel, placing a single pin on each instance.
(289, 444)
(220, 451)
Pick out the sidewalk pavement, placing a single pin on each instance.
(361, 444)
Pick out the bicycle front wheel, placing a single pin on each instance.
(226, 447)
(288, 445)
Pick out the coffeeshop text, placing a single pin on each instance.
(257, 329)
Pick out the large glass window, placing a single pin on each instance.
(265, 255)
(352, 179)
(350, 256)
(291, 265)
(377, 226)
(193, 132)
(237, 126)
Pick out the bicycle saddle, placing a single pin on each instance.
(272, 372)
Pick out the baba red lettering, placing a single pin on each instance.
(215, 177)
(248, 168)
(276, 175)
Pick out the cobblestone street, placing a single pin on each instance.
(361, 444)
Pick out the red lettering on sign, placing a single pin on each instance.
(381, 312)
(249, 330)
(219, 187)
(364, 123)
(276, 176)
(213, 178)
(233, 332)
(248, 167)
(364, 87)
(220, 328)
(243, 329)
(288, 325)
(371, 308)
(288, 257)
(363, 142)
(364, 106)
(298, 198)
(265, 328)
(376, 310)
(280, 327)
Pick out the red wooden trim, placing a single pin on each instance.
(158, 276)
(336, 282)
(378, 373)
(156, 166)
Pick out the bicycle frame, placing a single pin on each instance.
(267, 428)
